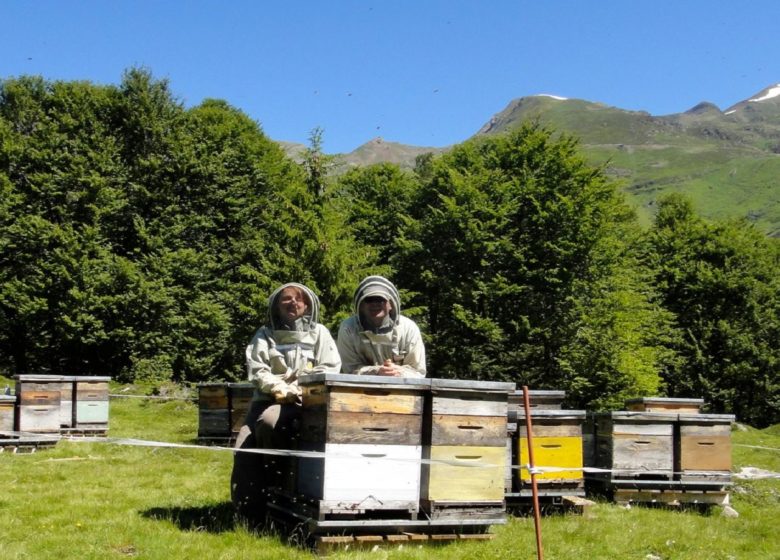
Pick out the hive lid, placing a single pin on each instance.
(350, 379)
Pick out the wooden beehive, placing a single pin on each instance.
(91, 397)
(664, 404)
(38, 403)
(703, 447)
(465, 440)
(240, 399)
(539, 399)
(67, 412)
(7, 412)
(634, 445)
(369, 428)
(213, 411)
(557, 444)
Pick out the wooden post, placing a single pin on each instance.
(532, 471)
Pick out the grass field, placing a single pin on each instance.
(106, 500)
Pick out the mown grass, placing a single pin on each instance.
(105, 500)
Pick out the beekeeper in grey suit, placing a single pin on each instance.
(377, 339)
(291, 344)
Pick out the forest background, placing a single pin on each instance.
(140, 240)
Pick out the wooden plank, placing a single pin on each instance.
(448, 429)
(564, 452)
(638, 454)
(468, 474)
(213, 390)
(214, 423)
(7, 414)
(444, 537)
(665, 404)
(563, 428)
(705, 453)
(629, 430)
(370, 428)
(89, 386)
(397, 539)
(468, 403)
(212, 401)
(371, 400)
(49, 397)
(39, 418)
(363, 476)
(368, 539)
(483, 387)
(417, 537)
(672, 498)
(91, 412)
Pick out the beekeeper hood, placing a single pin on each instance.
(310, 318)
(378, 286)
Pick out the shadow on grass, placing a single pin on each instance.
(216, 518)
(221, 518)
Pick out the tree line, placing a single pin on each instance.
(140, 239)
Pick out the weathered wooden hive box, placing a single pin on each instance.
(557, 444)
(634, 445)
(38, 403)
(67, 412)
(664, 404)
(7, 412)
(703, 447)
(91, 410)
(369, 428)
(213, 411)
(466, 443)
(539, 399)
(240, 399)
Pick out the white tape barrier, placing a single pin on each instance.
(536, 470)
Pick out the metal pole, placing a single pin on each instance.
(532, 470)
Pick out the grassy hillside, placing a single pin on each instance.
(727, 162)
(105, 500)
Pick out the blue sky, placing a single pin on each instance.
(426, 73)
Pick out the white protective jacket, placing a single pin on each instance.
(363, 350)
(277, 356)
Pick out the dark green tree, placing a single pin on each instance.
(722, 283)
(376, 203)
(516, 242)
(140, 239)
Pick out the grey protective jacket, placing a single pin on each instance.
(363, 350)
(277, 356)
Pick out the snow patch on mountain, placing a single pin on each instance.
(770, 93)
(558, 97)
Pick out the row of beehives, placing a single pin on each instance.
(657, 442)
(658, 445)
(56, 404)
(388, 443)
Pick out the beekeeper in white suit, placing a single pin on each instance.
(377, 339)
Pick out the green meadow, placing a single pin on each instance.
(106, 500)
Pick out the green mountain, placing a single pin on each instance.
(727, 162)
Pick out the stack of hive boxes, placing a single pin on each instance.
(557, 446)
(67, 385)
(213, 412)
(662, 449)
(240, 395)
(465, 439)
(369, 428)
(38, 403)
(90, 413)
(222, 409)
(7, 413)
(62, 404)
